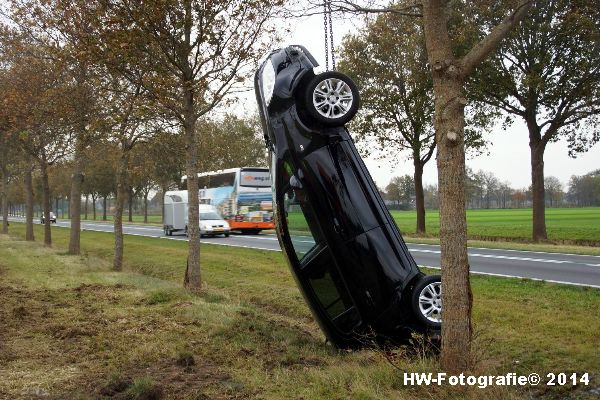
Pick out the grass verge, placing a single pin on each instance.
(570, 226)
(72, 328)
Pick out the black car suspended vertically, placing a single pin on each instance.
(342, 245)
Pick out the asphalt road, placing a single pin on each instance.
(569, 269)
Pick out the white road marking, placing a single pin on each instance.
(513, 250)
(522, 277)
(501, 257)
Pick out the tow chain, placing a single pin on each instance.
(328, 28)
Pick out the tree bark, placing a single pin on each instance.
(94, 198)
(449, 131)
(85, 206)
(130, 201)
(29, 235)
(75, 197)
(104, 208)
(537, 190)
(193, 278)
(119, 205)
(419, 196)
(145, 207)
(46, 200)
(456, 286)
(4, 204)
(162, 207)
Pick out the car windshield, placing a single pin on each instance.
(209, 215)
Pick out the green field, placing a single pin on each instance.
(563, 224)
(72, 328)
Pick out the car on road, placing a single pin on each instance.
(342, 245)
(211, 222)
(52, 218)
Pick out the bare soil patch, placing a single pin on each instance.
(53, 346)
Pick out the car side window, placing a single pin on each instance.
(298, 211)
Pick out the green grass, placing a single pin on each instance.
(152, 218)
(72, 328)
(564, 225)
(569, 225)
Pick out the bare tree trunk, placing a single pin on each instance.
(94, 198)
(193, 279)
(104, 208)
(85, 206)
(162, 207)
(130, 203)
(46, 200)
(456, 287)
(449, 131)
(146, 207)
(75, 198)
(29, 202)
(419, 196)
(119, 205)
(538, 191)
(4, 195)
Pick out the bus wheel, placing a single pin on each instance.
(252, 231)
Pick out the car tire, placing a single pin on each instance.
(227, 235)
(331, 98)
(426, 301)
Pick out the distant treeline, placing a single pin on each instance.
(485, 190)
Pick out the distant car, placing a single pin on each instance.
(211, 222)
(341, 242)
(52, 218)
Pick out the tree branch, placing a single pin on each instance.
(484, 47)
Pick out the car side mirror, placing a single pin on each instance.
(295, 182)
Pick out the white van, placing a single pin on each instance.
(176, 216)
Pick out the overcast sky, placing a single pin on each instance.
(508, 154)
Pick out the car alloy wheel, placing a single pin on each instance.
(332, 98)
(427, 300)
